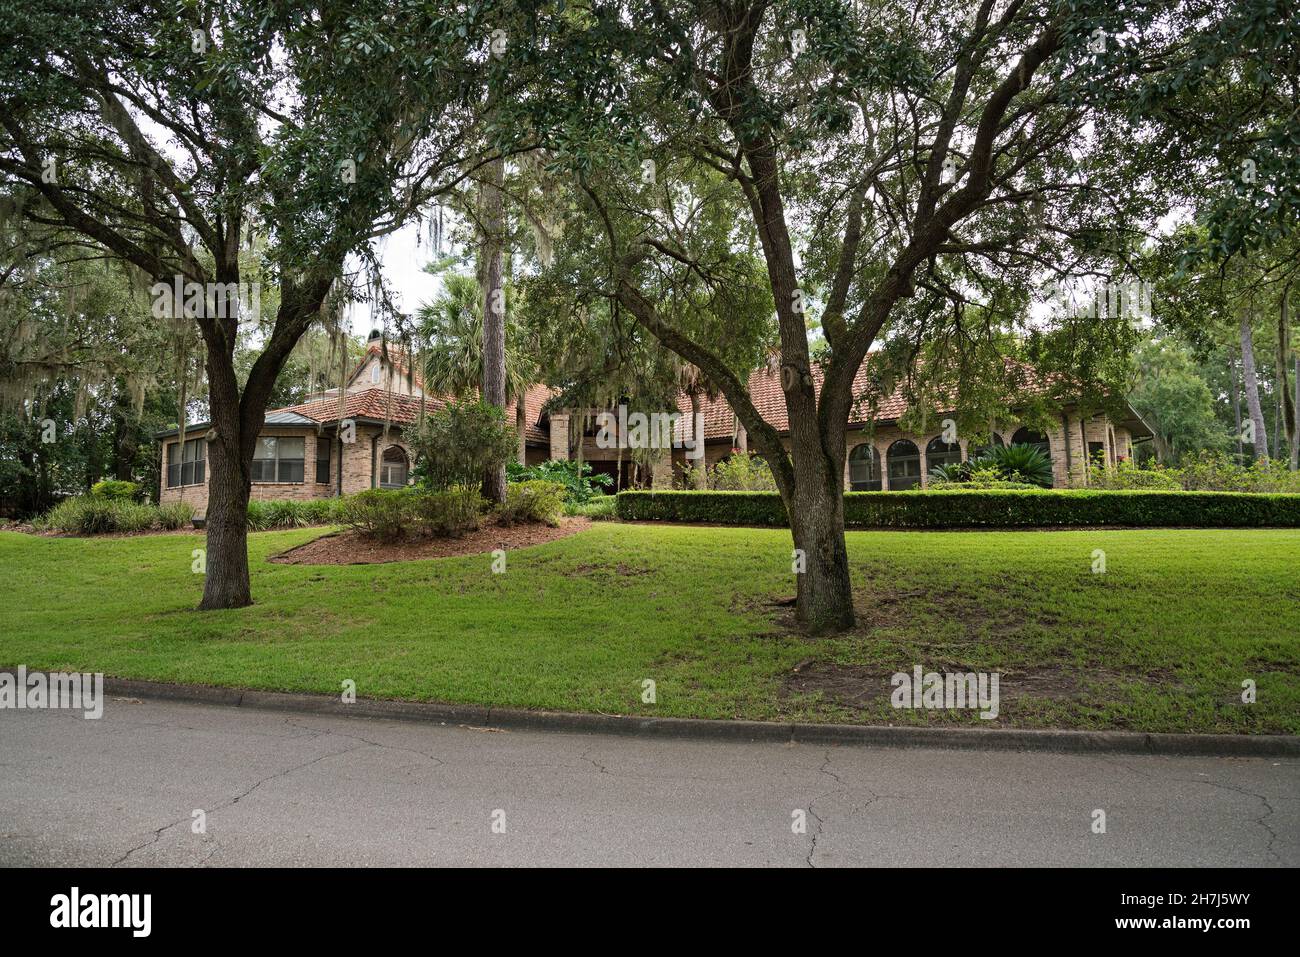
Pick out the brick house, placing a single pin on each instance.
(353, 439)
(338, 443)
(880, 455)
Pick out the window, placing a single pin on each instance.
(904, 465)
(186, 466)
(864, 469)
(323, 445)
(939, 452)
(1037, 439)
(1096, 453)
(374, 371)
(393, 468)
(278, 459)
(977, 451)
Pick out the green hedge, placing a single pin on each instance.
(993, 508)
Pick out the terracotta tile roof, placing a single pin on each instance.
(376, 403)
(769, 399)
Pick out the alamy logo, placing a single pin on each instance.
(37, 691)
(946, 691)
(654, 431)
(103, 910)
(212, 300)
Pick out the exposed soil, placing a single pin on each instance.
(351, 548)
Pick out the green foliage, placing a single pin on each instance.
(580, 485)
(451, 512)
(1022, 463)
(174, 515)
(1217, 472)
(116, 489)
(533, 501)
(264, 514)
(98, 515)
(392, 515)
(460, 443)
(1127, 475)
(377, 513)
(993, 508)
(601, 508)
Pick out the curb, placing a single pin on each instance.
(962, 739)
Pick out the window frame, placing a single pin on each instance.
(196, 463)
(385, 465)
(326, 443)
(294, 464)
(875, 483)
(913, 481)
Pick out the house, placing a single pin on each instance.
(880, 455)
(353, 439)
(337, 444)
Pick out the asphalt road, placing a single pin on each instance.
(289, 789)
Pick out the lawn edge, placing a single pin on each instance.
(964, 739)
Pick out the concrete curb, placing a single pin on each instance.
(964, 739)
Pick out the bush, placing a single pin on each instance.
(453, 512)
(96, 515)
(264, 514)
(600, 508)
(580, 485)
(1218, 472)
(533, 501)
(1126, 475)
(460, 443)
(175, 515)
(1027, 464)
(993, 508)
(742, 472)
(378, 513)
(116, 489)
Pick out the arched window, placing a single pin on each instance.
(976, 451)
(939, 452)
(864, 469)
(904, 461)
(393, 468)
(1028, 437)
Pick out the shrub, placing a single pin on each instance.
(993, 508)
(1022, 463)
(600, 508)
(378, 513)
(93, 515)
(533, 501)
(453, 511)
(460, 443)
(1218, 472)
(175, 515)
(1126, 475)
(116, 489)
(742, 472)
(580, 485)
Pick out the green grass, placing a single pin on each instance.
(1161, 642)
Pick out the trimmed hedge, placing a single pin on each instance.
(990, 508)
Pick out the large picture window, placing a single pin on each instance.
(938, 453)
(278, 459)
(186, 463)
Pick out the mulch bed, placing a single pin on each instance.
(350, 548)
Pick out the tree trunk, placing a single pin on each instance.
(700, 474)
(1251, 381)
(494, 313)
(825, 594)
(521, 427)
(226, 583)
(1286, 402)
(1236, 404)
(125, 442)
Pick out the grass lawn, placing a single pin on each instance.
(1160, 642)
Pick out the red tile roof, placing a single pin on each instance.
(769, 400)
(379, 404)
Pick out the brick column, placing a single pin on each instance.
(560, 435)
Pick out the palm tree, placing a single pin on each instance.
(451, 331)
